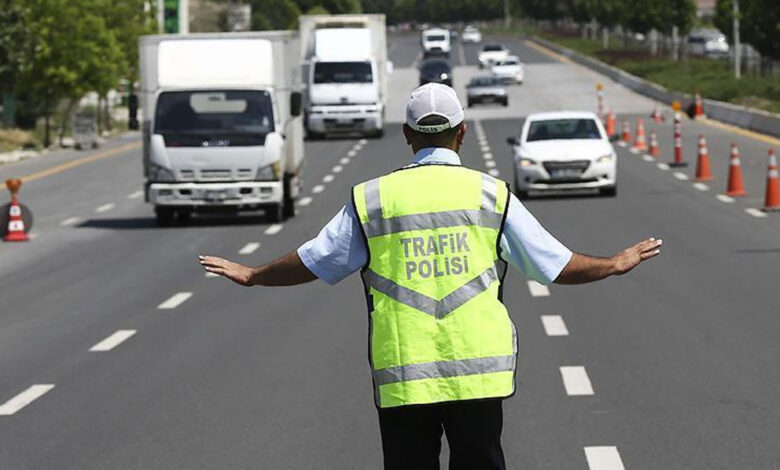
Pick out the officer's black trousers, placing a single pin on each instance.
(411, 435)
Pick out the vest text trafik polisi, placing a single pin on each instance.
(445, 244)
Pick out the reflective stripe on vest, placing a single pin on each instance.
(438, 329)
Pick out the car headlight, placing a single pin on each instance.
(527, 162)
(160, 174)
(269, 173)
(605, 158)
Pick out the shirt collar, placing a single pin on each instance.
(436, 155)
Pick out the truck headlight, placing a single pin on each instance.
(605, 158)
(269, 173)
(160, 174)
(527, 162)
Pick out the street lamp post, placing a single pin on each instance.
(737, 49)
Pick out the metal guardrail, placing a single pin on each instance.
(741, 116)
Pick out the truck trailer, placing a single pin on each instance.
(221, 123)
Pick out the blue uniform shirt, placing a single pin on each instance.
(339, 250)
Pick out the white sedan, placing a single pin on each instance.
(490, 54)
(563, 150)
(509, 70)
(471, 34)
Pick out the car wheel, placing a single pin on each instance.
(609, 192)
(274, 214)
(505, 102)
(470, 103)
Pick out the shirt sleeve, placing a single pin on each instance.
(338, 250)
(527, 246)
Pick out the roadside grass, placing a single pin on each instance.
(713, 78)
(13, 139)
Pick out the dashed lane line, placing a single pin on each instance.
(603, 458)
(249, 248)
(634, 150)
(487, 156)
(23, 399)
(318, 189)
(724, 198)
(344, 161)
(648, 158)
(135, 195)
(351, 153)
(105, 207)
(680, 176)
(337, 169)
(362, 142)
(490, 163)
(495, 173)
(274, 229)
(663, 166)
(328, 178)
(576, 381)
(70, 221)
(116, 338)
(305, 201)
(538, 290)
(701, 186)
(175, 301)
(554, 325)
(211, 275)
(755, 212)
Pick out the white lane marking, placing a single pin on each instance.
(538, 290)
(554, 325)
(351, 153)
(337, 169)
(484, 148)
(274, 229)
(362, 142)
(32, 235)
(175, 301)
(701, 186)
(663, 166)
(724, 198)
(117, 338)
(603, 458)
(647, 158)
(135, 195)
(344, 161)
(209, 274)
(305, 201)
(23, 399)
(755, 212)
(487, 156)
(490, 163)
(70, 221)
(249, 248)
(105, 207)
(576, 381)
(634, 150)
(318, 189)
(494, 172)
(680, 176)
(328, 178)
(621, 143)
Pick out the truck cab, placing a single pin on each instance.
(436, 42)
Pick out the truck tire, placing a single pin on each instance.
(165, 216)
(275, 213)
(378, 134)
(610, 191)
(288, 203)
(183, 217)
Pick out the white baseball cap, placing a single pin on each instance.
(433, 99)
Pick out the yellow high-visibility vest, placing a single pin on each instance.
(438, 330)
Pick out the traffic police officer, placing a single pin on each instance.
(432, 241)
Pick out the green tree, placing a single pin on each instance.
(274, 14)
(760, 24)
(15, 41)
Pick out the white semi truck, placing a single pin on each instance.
(345, 67)
(221, 123)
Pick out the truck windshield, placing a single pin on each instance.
(226, 117)
(435, 37)
(563, 129)
(343, 72)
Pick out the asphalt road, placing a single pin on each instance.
(672, 366)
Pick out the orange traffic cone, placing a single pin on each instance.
(16, 231)
(639, 141)
(611, 124)
(703, 172)
(626, 134)
(735, 187)
(772, 198)
(654, 151)
(698, 106)
(656, 115)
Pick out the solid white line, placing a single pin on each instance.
(490, 163)
(538, 290)
(105, 207)
(351, 153)
(603, 458)
(70, 221)
(175, 301)
(487, 156)
(344, 161)
(724, 198)
(494, 172)
(337, 169)
(305, 201)
(680, 176)
(328, 178)
(318, 189)
(554, 325)
(249, 248)
(117, 338)
(135, 195)
(647, 158)
(274, 229)
(576, 381)
(755, 212)
(23, 399)
(663, 166)
(701, 186)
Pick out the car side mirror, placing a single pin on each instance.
(296, 102)
(511, 141)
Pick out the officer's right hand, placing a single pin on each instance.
(236, 272)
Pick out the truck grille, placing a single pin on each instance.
(215, 174)
(573, 167)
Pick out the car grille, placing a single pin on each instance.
(574, 165)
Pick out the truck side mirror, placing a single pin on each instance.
(296, 102)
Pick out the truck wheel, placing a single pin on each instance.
(379, 133)
(505, 102)
(183, 217)
(609, 192)
(274, 214)
(164, 216)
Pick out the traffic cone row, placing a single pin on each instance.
(698, 105)
(16, 231)
(656, 115)
(772, 196)
(703, 172)
(736, 186)
(625, 136)
(654, 151)
(639, 142)
(611, 125)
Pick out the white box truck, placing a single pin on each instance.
(345, 67)
(221, 123)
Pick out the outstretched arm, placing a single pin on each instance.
(583, 268)
(288, 270)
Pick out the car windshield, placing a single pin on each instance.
(435, 37)
(507, 62)
(436, 66)
(563, 129)
(484, 81)
(493, 48)
(239, 117)
(343, 72)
